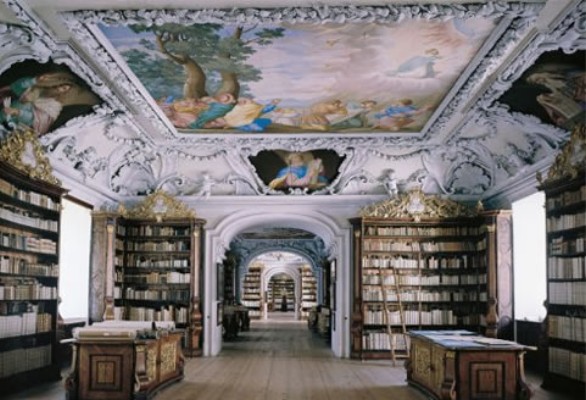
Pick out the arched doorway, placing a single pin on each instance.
(335, 239)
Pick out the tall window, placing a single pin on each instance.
(529, 255)
(74, 259)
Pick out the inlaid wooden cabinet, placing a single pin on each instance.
(462, 365)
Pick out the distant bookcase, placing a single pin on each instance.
(30, 208)
(308, 290)
(252, 292)
(422, 262)
(565, 204)
(156, 263)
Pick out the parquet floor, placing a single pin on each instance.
(280, 359)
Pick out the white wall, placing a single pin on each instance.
(529, 255)
(74, 260)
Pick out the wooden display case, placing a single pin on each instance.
(462, 365)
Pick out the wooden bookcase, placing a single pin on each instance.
(565, 204)
(155, 265)
(30, 209)
(252, 291)
(421, 262)
(308, 290)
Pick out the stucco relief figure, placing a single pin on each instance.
(302, 170)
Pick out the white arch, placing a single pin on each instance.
(289, 270)
(336, 240)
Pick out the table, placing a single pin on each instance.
(463, 365)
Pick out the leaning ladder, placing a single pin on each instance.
(399, 305)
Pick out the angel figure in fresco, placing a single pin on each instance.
(421, 66)
(302, 170)
(399, 115)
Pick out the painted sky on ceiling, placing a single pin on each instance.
(352, 77)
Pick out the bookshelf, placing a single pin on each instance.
(421, 262)
(251, 290)
(565, 210)
(281, 286)
(308, 290)
(30, 208)
(155, 265)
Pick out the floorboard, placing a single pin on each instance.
(281, 359)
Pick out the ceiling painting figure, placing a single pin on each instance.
(553, 89)
(287, 171)
(291, 78)
(41, 98)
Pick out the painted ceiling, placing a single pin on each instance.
(466, 100)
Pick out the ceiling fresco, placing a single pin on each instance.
(291, 78)
(340, 104)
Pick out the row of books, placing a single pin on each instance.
(569, 293)
(460, 262)
(566, 268)
(154, 262)
(432, 280)
(25, 219)
(568, 328)
(27, 323)
(158, 246)
(251, 303)
(157, 295)
(371, 294)
(25, 289)
(566, 221)
(566, 199)
(155, 230)
(170, 313)
(423, 231)
(375, 341)
(28, 243)
(410, 246)
(411, 317)
(15, 361)
(154, 277)
(568, 363)
(23, 266)
(561, 245)
(31, 197)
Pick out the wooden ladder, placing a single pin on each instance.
(399, 305)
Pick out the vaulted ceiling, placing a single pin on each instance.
(265, 98)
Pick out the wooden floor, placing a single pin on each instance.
(280, 359)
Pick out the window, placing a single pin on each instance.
(529, 257)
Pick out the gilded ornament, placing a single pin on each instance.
(158, 205)
(417, 205)
(570, 161)
(19, 147)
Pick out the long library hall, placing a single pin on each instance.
(249, 199)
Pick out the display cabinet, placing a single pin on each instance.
(30, 208)
(420, 262)
(565, 207)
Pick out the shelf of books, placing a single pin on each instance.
(420, 263)
(251, 292)
(281, 293)
(29, 275)
(565, 193)
(156, 266)
(308, 290)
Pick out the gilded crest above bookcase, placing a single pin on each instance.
(23, 150)
(158, 205)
